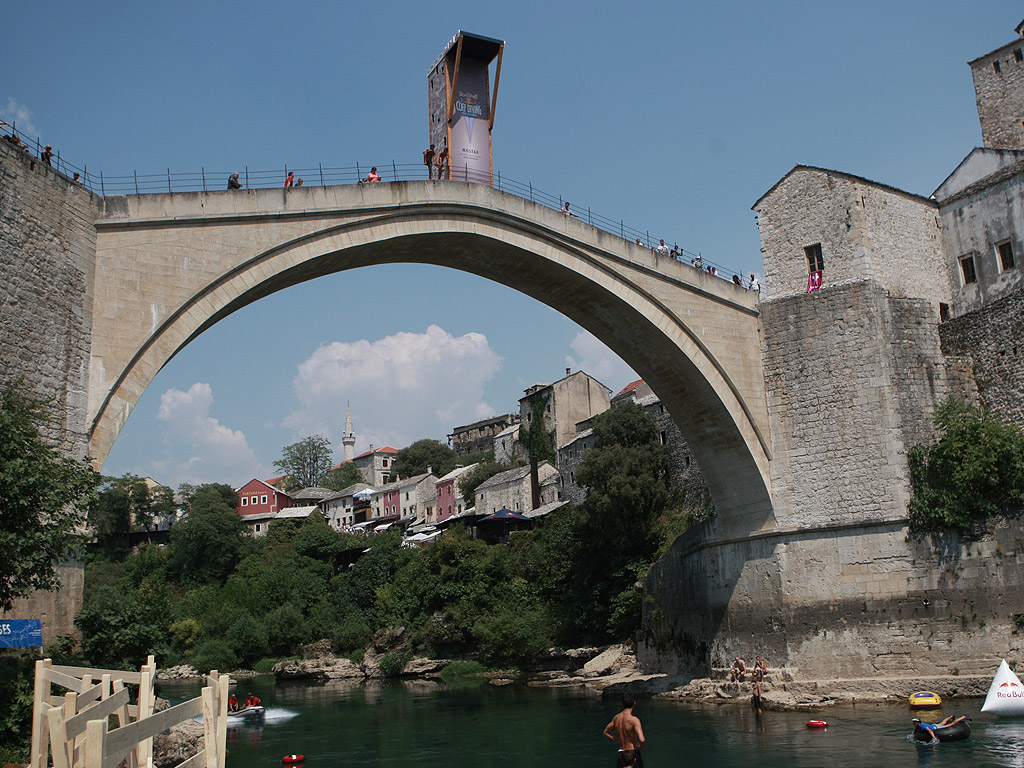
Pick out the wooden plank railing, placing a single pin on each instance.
(75, 730)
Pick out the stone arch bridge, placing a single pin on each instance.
(169, 266)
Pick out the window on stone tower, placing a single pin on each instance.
(967, 267)
(1018, 55)
(1005, 256)
(996, 68)
(815, 262)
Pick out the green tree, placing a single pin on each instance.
(307, 461)
(627, 480)
(974, 471)
(43, 497)
(421, 455)
(207, 542)
(342, 477)
(124, 504)
(536, 438)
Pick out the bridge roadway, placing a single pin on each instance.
(169, 266)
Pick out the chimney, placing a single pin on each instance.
(568, 371)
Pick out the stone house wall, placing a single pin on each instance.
(974, 223)
(866, 231)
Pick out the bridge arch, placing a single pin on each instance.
(171, 266)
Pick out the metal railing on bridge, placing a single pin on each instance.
(207, 180)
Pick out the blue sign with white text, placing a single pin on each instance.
(20, 633)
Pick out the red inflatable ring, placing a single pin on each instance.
(293, 759)
(817, 724)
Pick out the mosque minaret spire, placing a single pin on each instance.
(349, 440)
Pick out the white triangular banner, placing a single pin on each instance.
(1006, 694)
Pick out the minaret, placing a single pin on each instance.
(349, 440)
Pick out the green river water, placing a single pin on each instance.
(420, 723)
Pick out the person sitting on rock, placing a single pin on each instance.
(739, 670)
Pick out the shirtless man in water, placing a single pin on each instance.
(625, 728)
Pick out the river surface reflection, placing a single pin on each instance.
(431, 724)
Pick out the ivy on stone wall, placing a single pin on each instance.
(974, 472)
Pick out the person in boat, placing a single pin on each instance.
(626, 729)
(248, 701)
(931, 727)
(256, 701)
(233, 703)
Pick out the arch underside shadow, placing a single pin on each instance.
(707, 407)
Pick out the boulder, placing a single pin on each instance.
(180, 672)
(615, 659)
(323, 668)
(389, 639)
(180, 743)
(424, 667)
(318, 650)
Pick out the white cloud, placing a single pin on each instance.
(19, 114)
(591, 355)
(197, 448)
(412, 385)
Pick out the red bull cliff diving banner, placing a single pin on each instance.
(462, 106)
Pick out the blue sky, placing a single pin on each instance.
(672, 116)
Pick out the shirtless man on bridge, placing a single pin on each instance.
(625, 728)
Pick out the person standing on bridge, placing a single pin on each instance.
(428, 160)
(662, 249)
(372, 175)
(290, 180)
(754, 285)
(441, 161)
(233, 182)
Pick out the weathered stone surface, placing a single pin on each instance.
(319, 668)
(424, 667)
(388, 639)
(614, 659)
(319, 649)
(993, 339)
(180, 672)
(182, 742)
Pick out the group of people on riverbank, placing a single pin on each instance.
(739, 673)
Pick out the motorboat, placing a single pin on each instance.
(247, 713)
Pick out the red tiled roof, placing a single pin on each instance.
(275, 480)
(629, 388)
(385, 449)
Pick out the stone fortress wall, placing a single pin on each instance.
(999, 91)
(47, 262)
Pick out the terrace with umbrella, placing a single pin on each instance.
(495, 528)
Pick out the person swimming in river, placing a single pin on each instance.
(626, 729)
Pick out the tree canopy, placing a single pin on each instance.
(421, 455)
(307, 461)
(342, 477)
(43, 497)
(207, 542)
(123, 504)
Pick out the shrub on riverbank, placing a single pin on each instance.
(975, 471)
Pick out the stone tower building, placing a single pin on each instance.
(999, 90)
(349, 440)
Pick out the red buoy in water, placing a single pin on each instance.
(293, 759)
(817, 724)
